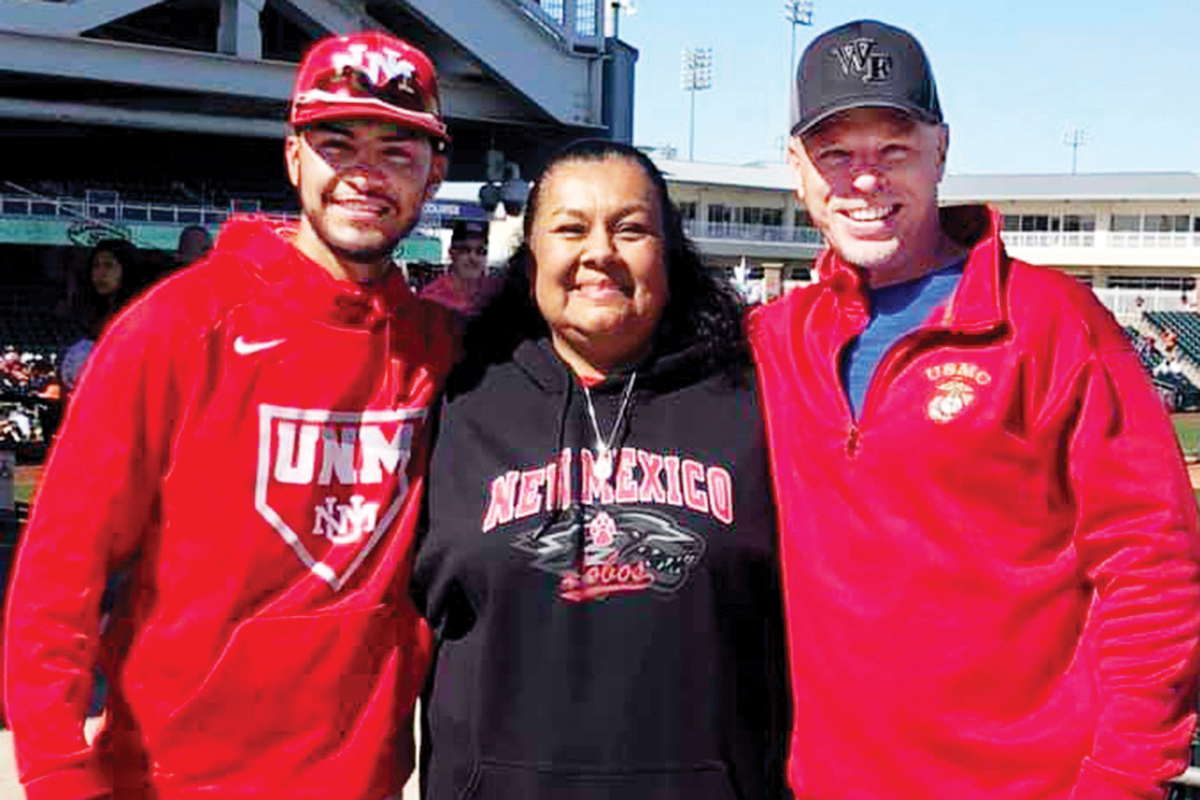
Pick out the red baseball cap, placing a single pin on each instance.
(368, 75)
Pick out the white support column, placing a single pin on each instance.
(569, 23)
(239, 32)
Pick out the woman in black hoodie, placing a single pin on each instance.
(599, 566)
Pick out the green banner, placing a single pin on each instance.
(157, 236)
(85, 233)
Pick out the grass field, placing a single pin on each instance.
(25, 482)
(1187, 428)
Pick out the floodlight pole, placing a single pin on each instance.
(1074, 139)
(696, 74)
(797, 12)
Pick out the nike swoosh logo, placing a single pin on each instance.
(245, 348)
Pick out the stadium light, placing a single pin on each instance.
(614, 18)
(797, 12)
(1075, 138)
(695, 75)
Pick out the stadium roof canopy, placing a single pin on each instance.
(1092, 186)
(521, 76)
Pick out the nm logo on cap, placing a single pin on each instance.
(380, 66)
(860, 57)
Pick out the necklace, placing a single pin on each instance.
(603, 468)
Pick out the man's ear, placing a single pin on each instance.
(438, 168)
(795, 157)
(291, 155)
(943, 148)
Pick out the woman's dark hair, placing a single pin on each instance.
(701, 308)
(98, 308)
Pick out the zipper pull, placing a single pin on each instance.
(852, 436)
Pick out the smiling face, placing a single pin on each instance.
(868, 178)
(361, 185)
(598, 261)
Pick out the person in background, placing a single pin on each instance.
(264, 645)
(113, 270)
(14, 375)
(989, 539)
(600, 560)
(194, 243)
(466, 285)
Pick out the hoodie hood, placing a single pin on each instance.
(293, 280)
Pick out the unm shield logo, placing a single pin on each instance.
(332, 482)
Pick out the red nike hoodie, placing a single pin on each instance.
(248, 443)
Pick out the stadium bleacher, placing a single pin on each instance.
(1150, 357)
(1177, 391)
(28, 321)
(1185, 325)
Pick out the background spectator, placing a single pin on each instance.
(194, 243)
(466, 286)
(112, 271)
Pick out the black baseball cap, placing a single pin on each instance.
(860, 64)
(468, 228)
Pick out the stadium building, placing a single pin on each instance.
(136, 118)
(1134, 237)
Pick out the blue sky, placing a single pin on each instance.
(1013, 76)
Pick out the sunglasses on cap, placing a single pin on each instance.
(352, 85)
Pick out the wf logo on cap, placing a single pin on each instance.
(859, 57)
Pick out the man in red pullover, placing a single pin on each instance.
(249, 448)
(989, 539)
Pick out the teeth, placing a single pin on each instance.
(868, 214)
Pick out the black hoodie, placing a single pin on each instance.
(598, 641)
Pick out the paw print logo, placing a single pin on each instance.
(602, 531)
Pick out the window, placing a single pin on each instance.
(762, 216)
(1073, 223)
(1012, 222)
(1126, 223)
(720, 213)
(687, 210)
(801, 219)
(1035, 222)
(750, 216)
(1165, 223)
(1196, 225)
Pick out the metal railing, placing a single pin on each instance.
(1128, 303)
(750, 232)
(1139, 239)
(578, 24)
(119, 210)
(1153, 239)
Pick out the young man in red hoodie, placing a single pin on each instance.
(989, 540)
(249, 448)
